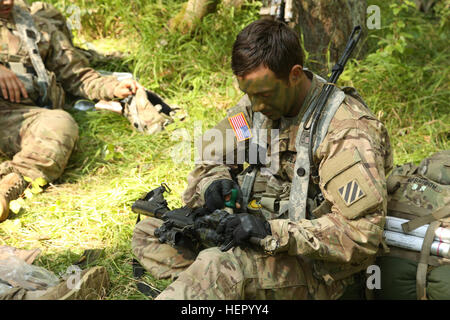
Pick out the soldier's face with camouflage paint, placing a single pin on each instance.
(272, 96)
(5, 8)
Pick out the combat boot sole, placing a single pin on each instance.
(4, 209)
(12, 186)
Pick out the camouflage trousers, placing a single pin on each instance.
(235, 274)
(38, 141)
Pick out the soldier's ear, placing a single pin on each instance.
(295, 75)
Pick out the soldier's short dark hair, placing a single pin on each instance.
(269, 43)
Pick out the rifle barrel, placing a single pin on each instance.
(326, 91)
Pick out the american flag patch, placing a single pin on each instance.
(351, 192)
(240, 127)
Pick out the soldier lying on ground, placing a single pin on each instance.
(319, 235)
(35, 133)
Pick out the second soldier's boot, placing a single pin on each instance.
(5, 168)
(92, 284)
(12, 185)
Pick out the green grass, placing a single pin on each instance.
(406, 85)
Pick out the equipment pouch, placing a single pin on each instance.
(349, 183)
(419, 191)
(275, 200)
(56, 94)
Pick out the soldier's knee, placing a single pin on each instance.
(143, 232)
(217, 258)
(55, 126)
(62, 122)
(213, 253)
(146, 227)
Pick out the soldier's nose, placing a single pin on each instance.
(258, 107)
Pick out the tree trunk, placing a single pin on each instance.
(425, 5)
(325, 27)
(323, 24)
(192, 12)
(233, 3)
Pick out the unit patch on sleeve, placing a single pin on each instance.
(351, 192)
(240, 127)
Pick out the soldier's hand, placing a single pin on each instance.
(239, 229)
(11, 86)
(127, 87)
(219, 192)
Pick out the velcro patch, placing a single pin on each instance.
(240, 127)
(350, 185)
(351, 192)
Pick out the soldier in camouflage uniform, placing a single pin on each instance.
(40, 140)
(314, 255)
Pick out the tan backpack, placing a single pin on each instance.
(421, 195)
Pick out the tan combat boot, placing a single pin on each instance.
(93, 285)
(12, 185)
(5, 168)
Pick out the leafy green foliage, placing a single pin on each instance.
(405, 80)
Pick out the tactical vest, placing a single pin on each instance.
(299, 189)
(301, 195)
(40, 84)
(420, 195)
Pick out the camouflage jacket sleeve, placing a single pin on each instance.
(354, 158)
(213, 152)
(72, 68)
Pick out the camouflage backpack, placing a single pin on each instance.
(420, 194)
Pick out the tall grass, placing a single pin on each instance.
(405, 82)
(405, 79)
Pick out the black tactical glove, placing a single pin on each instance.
(239, 228)
(191, 228)
(216, 192)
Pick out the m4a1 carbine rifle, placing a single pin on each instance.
(153, 203)
(193, 228)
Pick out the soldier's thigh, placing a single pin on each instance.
(43, 123)
(11, 120)
(48, 138)
(19, 122)
(279, 276)
(239, 274)
(160, 259)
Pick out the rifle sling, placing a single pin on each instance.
(30, 37)
(138, 273)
